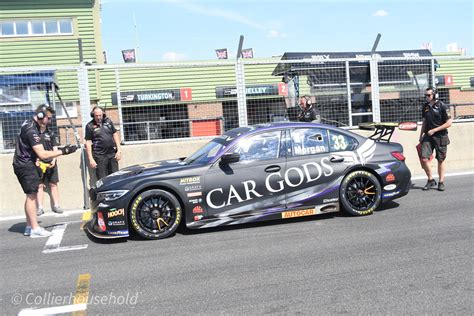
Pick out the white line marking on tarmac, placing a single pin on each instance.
(53, 243)
(65, 214)
(454, 174)
(53, 310)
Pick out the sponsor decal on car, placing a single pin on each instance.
(299, 150)
(194, 194)
(118, 232)
(197, 209)
(298, 213)
(293, 177)
(390, 194)
(330, 200)
(196, 187)
(115, 212)
(195, 201)
(116, 223)
(100, 221)
(190, 180)
(198, 217)
(390, 187)
(390, 177)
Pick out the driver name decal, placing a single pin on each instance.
(274, 183)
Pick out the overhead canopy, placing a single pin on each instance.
(322, 58)
(40, 77)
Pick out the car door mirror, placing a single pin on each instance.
(230, 158)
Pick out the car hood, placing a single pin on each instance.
(152, 168)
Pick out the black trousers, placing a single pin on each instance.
(105, 165)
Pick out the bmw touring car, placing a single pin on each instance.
(250, 174)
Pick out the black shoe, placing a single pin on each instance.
(429, 184)
(441, 186)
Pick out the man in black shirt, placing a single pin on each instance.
(27, 150)
(102, 144)
(437, 118)
(309, 112)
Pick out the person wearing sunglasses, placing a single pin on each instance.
(28, 149)
(437, 118)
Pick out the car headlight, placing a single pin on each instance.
(110, 195)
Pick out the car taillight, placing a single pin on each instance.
(100, 222)
(398, 155)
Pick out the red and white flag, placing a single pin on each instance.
(247, 53)
(221, 53)
(129, 55)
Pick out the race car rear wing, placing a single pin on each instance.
(384, 131)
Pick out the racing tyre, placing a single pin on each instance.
(155, 214)
(360, 193)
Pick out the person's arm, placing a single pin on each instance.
(50, 154)
(54, 142)
(92, 162)
(53, 162)
(46, 154)
(88, 139)
(118, 154)
(423, 125)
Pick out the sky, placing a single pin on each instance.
(179, 30)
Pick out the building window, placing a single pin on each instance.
(13, 95)
(49, 27)
(71, 108)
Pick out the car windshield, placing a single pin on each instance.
(209, 151)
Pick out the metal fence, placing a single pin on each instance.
(169, 102)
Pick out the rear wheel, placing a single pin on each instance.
(361, 193)
(155, 214)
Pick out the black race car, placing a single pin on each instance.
(250, 174)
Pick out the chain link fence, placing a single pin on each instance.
(171, 102)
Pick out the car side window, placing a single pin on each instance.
(262, 146)
(341, 142)
(309, 141)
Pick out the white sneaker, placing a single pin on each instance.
(39, 233)
(27, 231)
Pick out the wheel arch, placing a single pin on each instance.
(364, 168)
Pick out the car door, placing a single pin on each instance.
(244, 187)
(313, 173)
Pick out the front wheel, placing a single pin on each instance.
(155, 214)
(361, 193)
